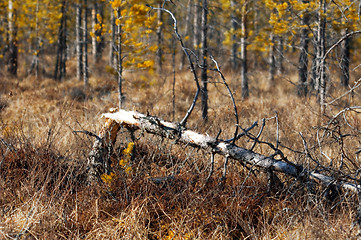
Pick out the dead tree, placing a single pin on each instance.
(133, 120)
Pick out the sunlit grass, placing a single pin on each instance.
(43, 163)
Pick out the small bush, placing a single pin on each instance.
(78, 94)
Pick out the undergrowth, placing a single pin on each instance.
(161, 192)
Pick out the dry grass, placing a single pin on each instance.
(43, 163)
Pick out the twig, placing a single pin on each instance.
(357, 84)
(232, 98)
(89, 134)
(244, 133)
(212, 167)
(259, 134)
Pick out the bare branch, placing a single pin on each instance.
(183, 122)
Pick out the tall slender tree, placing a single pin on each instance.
(85, 45)
(303, 57)
(204, 56)
(244, 77)
(79, 41)
(13, 43)
(60, 66)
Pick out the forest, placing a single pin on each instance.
(180, 119)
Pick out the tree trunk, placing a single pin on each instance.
(234, 27)
(279, 59)
(196, 23)
(244, 78)
(320, 55)
(303, 57)
(79, 42)
(160, 39)
(13, 45)
(204, 55)
(272, 61)
(37, 45)
(345, 59)
(60, 66)
(112, 41)
(97, 38)
(187, 31)
(120, 62)
(85, 45)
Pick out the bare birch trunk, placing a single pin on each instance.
(79, 43)
(85, 45)
(244, 78)
(204, 55)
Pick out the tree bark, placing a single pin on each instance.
(187, 31)
(196, 23)
(204, 56)
(79, 42)
(112, 41)
(60, 66)
(234, 27)
(272, 61)
(85, 45)
(160, 39)
(279, 59)
(345, 59)
(97, 39)
(303, 57)
(13, 45)
(320, 55)
(119, 62)
(244, 77)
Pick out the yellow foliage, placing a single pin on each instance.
(107, 178)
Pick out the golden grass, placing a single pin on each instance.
(43, 165)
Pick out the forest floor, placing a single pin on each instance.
(43, 162)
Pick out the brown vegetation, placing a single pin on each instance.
(43, 163)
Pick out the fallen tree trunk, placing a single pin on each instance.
(154, 125)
